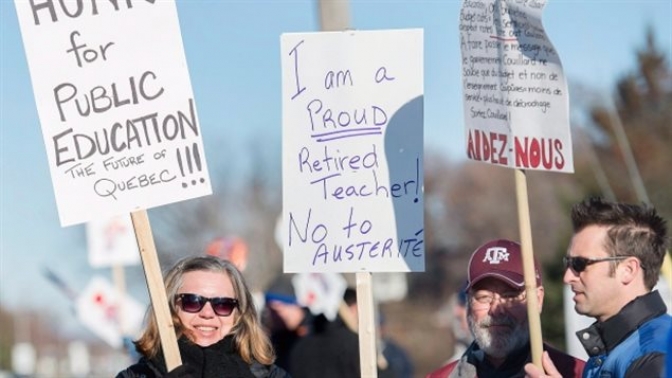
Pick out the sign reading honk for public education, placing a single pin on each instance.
(115, 104)
(352, 151)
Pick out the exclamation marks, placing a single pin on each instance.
(190, 163)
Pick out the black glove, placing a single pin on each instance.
(183, 371)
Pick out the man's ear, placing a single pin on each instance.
(629, 269)
(540, 297)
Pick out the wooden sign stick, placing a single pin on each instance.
(157, 290)
(533, 317)
(120, 284)
(334, 16)
(366, 328)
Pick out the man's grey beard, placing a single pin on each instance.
(503, 343)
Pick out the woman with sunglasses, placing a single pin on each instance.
(217, 328)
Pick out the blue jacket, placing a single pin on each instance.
(633, 343)
(668, 367)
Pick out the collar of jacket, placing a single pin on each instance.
(602, 337)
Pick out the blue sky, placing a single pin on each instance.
(233, 53)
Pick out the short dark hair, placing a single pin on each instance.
(633, 230)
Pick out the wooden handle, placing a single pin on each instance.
(536, 343)
(157, 290)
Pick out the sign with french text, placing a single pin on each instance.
(115, 103)
(516, 105)
(352, 151)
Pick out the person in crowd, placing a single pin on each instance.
(612, 264)
(453, 315)
(395, 355)
(460, 325)
(216, 325)
(332, 349)
(284, 319)
(497, 317)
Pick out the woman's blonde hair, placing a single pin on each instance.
(251, 341)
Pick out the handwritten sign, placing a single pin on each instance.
(515, 95)
(115, 103)
(352, 151)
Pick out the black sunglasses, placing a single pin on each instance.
(193, 303)
(579, 264)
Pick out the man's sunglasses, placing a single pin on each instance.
(579, 264)
(193, 303)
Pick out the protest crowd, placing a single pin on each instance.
(359, 277)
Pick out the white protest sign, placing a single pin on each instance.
(115, 103)
(322, 293)
(104, 311)
(352, 151)
(112, 242)
(516, 105)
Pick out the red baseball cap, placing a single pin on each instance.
(500, 259)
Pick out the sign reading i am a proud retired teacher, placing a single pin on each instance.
(353, 151)
(115, 104)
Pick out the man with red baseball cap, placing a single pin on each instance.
(497, 316)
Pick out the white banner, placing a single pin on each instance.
(115, 103)
(352, 151)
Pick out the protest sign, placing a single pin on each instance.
(321, 293)
(115, 103)
(118, 118)
(516, 106)
(112, 242)
(106, 312)
(352, 151)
